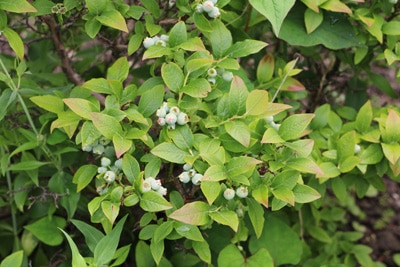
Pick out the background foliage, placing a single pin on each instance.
(194, 133)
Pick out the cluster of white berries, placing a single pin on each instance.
(108, 172)
(241, 192)
(171, 116)
(190, 174)
(270, 121)
(156, 40)
(212, 74)
(151, 183)
(210, 8)
(98, 146)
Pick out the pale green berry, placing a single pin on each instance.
(99, 149)
(242, 192)
(229, 193)
(357, 148)
(148, 42)
(199, 8)
(118, 164)
(101, 170)
(87, 148)
(170, 118)
(211, 72)
(162, 191)
(105, 162)
(182, 118)
(214, 13)
(211, 80)
(192, 172)
(184, 177)
(214, 1)
(104, 141)
(171, 126)
(269, 119)
(187, 167)
(175, 110)
(109, 176)
(208, 6)
(164, 37)
(161, 121)
(197, 178)
(165, 106)
(161, 112)
(227, 76)
(161, 42)
(146, 186)
(155, 183)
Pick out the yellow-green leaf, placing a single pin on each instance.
(112, 18)
(14, 41)
(17, 6)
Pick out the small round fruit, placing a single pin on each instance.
(148, 42)
(242, 192)
(105, 162)
(184, 177)
(109, 176)
(229, 193)
(170, 118)
(196, 180)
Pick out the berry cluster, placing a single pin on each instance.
(108, 172)
(190, 174)
(210, 8)
(58, 9)
(212, 74)
(98, 146)
(241, 192)
(171, 116)
(156, 40)
(151, 183)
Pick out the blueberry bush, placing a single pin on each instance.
(194, 133)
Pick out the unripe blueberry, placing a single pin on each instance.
(184, 177)
(99, 149)
(164, 37)
(275, 125)
(214, 1)
(104, 141)
(227, 76)
(161, 113)
(199, 8)
(242, 192)
(161, 121)
(187, 167)
(146, 186)
(393, 2)
(87, 148)
(155, 183)
(118, 164)
(148, 42)
(109, 176)
(229, 193)
(191, 172)
(165, 106)
(211, 72)
(197, 178)
(105, 162)
(208, 6)
(170, 118)
(171, 126)
(101, 170)
(182, 118)
(161, 42)
(102, 191)
(162, 191)
(357, 148)
(269, 119)
(175, 110)
(214, 13)
(211, 80)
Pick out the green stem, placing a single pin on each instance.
(284, 79)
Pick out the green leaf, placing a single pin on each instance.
(335, 31)
(96, 6)
(84, 176)
(302, 147)
(153, 7)
(230, 256)
(364, 117)
(382, 84)
(391, 28)
(275, 11)
(26, 165)
(265, 69)
(153, 202)
(135, 41)
(91, 234)
(182, 137)
(143, 255)
(245, 48)
(98, 85)
(130, 167)
(14, 259)
(237, 97)
(17, 6)
(177, 34)
(257, 102)
(194, 213)
(391, 152)
(226, 217)
(239, 131)
(349, 163)
(163, 230)
(92, 27)
(256, 214)
(271, 136)
(151, 100)
(80, 106)
(277, 237)
(339, 188)
(107, 125)
(345, 146)
(170, 152)
(107, 246)
(46, 230)
(121, 145)
(319, 234)
(211, 190)
(261, 258)
(294, 126)
(305, 165)
(43, 7)
(202, 249)
(156, 51)
(219, 36)
(329, 169)
(157, 250)
(305, 194)
(312, 20)
(173, 76)
(77, 259)
(242, 165)
(188, 231)
(193, 44)
(198, 88)
(119, 70)
(215, 173)
(285, 194)
(14, 40)
(49, 102)
(112, 18)
(391, 134)
(110, 210)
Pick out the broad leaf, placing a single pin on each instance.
(119, 70)
(46, 230)
(305, 193)
(257, 102)
(112, 18)
(170, 152)
(77, 259)
(49, 102)
(237, 97)
(84, 176)
(153, 202)
(226, 217)
(177, 34)
(256, 214)
(91, 234)
(107, 125)
(14, 39)
(211, 190)
(239, 131)
(17, 6)
(173, 76)
(294, 126)
(194, 213)
(245, 48)
(80, 106)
